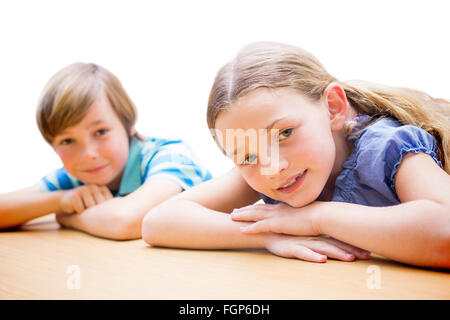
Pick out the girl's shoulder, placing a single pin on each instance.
(379, 148)
(389, 138)
(379, 145)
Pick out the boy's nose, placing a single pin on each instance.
(90, 151)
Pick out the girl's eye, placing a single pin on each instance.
(100, 132)
(286, 133)
(249, 159)
(66, 142)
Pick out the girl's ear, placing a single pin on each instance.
(337, 103)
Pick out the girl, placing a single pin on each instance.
(350, 166)
(111, 176)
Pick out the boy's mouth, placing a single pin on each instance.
(95, 169)
(292, 183)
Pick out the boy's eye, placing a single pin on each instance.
(286, 133)
(249, 159)
(100, 132)
(66, 142)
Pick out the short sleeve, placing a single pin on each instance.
(176, 161)
(59, 179)
(406, 139)
(381, 149)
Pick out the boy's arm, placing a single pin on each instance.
(121, 218)
(21, 206)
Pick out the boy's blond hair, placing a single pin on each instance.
(276, 65)
(70, 93)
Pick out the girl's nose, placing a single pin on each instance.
(276, 165)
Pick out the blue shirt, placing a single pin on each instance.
(367, 176)
(172, 159)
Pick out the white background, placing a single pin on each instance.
(166, 53)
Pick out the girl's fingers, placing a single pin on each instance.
(330, 250)
(358, 252)
(258, 227)
(244, 216)
(304, 253)
(271, 225)
(298, 251)
(250, 214)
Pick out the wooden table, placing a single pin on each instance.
(42, 261)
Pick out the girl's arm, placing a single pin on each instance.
(199, 219)
(417, 231)
(21, 206)
(121, 218)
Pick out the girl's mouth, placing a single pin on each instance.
(293, 184)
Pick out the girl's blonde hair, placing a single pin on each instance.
(276, 65)
(70, 93)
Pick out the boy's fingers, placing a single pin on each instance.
(97, 194)
(106, 192)
(77, 204)
(87, 197)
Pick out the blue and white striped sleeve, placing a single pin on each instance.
(58, 180)
(175, 161)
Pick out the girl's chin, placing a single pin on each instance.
(296, 204)
(298, 201)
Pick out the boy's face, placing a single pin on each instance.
(95, 150)
(303, 160)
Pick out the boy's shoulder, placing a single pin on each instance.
(152, 145)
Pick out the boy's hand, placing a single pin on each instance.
(79, 199)
(314, 249)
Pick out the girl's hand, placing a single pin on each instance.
(79, 199)
(314, 249)
(279, 218)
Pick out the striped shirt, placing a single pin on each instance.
(172, 159)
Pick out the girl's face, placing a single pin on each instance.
(306, 148)
(95, 150)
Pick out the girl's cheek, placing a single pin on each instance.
(253, 178)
